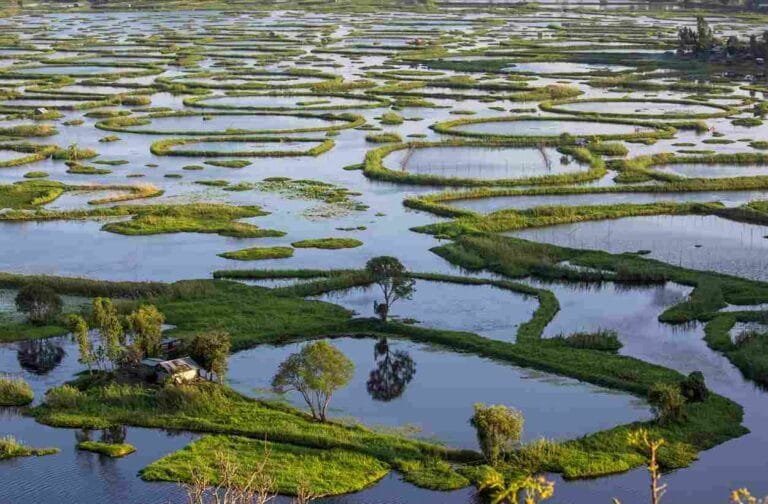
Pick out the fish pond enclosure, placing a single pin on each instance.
(400, 251)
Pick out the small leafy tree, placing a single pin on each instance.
(79, 329)
(40, 303)
(390, 275)
(498, 430)
(667, 402)
(317, 371)
(649, 446)
(211, 351)
(146, 325)
(111, 332)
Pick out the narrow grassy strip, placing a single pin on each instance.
(31, 153)
(362, 101)
(641, 168)
(166, 146)
(712, 291)
(435, 202)
(544, 216)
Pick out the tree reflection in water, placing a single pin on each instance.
(39, 356)
(393, 371)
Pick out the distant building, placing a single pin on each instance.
(179, 370)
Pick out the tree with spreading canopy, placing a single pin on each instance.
(391, 276)
(316, 372)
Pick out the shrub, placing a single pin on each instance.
(64, 397)
(189, 398)
(603, 340)
(498, 429)
(693, 387)
(667, 402)
(39, 302)
(15, 392)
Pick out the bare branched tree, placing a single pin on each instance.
(232, 486)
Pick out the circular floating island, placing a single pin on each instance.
(548, 128)
(487, 163)
(230, 123)
(473, 163)
(286, 101)
(639, 108)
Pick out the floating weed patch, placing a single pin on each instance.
(11, 448)
(76, 168)
(259, 253)
(338, 200)
(384, 138)
(113, 450)
(391, 118)
(166, 147)
(29, 153)
(161, 219)
(229, 163)
(328, 243)
(36, 174)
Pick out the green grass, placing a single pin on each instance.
(115, 450)
(29, 194)
(328, 243)
(28, 130)
(11, 448)
(18, 331)
(15, 392)
(543, 216)
(250, 315)
(30, 153)
(211, 408)
(325, 472)
(258, 253)
(36, 174)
